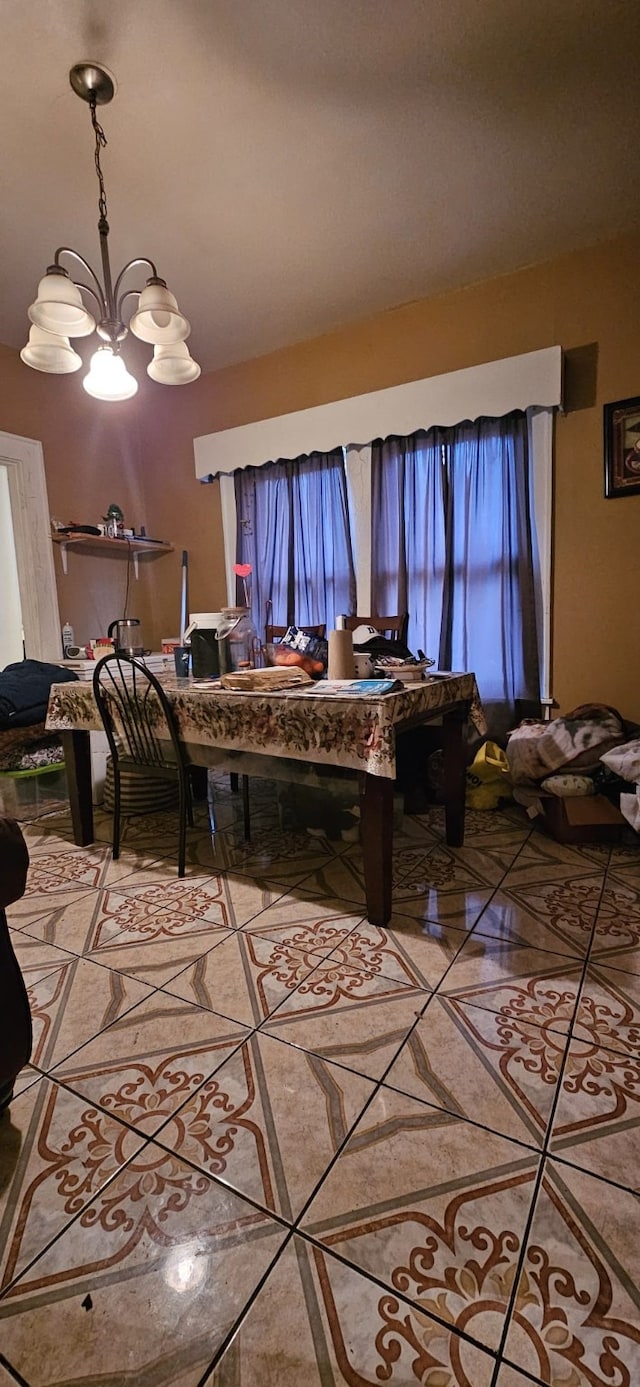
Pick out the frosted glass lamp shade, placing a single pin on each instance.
(108, 377)
(47, 351)
(173, 365)
(158, 319)
(59, 308)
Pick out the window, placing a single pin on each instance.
(453, 545)
(531, 382)
(293, 528)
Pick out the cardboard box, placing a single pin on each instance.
(585, 819)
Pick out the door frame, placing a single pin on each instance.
(24, 460)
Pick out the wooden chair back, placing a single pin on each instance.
(275, 633)
(387, 625)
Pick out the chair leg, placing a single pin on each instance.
(189, 802)
(245, 808)
(182, 827)
(116, 811)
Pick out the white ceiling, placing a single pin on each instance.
(292, 165)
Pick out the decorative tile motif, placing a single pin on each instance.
(157, 961)
(409, 951)
(510, 822)
(452, 868)
(568, 907)
(507, 920)
(149, 1063)
(624, 862)
(34, 955)
(510, 1377)
(576, 1317)
(333, 984)
(245, 977)
(471, 1062)
(317, 1321)
(55, 878)
(339, 878)
(445, 1232)
(617, 932)
(69, 925)
(71, 1151)
(363, 1037)
(544, 860)
(609, 1011)
(155, 1156)
(597, 1120)
(525, 986)
(305, 923)
(282, 856)
(73, 1001)
(160, 909)
(269, 1122)
(460, 909)
(168, 1258)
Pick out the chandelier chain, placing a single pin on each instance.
(101, 141)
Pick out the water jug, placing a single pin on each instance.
(237, 640)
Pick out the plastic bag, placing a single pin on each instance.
(487, 778)
(298, 647)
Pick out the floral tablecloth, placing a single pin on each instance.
(356, 733)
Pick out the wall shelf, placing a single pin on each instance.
(102, 544)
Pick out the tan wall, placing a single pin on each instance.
(92, 458)
(585, 300)
(589, 299)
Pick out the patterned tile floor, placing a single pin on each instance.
(262, 1143)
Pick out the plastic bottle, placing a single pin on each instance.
(68, 638)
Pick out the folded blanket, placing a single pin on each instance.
(24, 692)
(577, 740)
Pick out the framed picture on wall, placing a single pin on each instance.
(622, 448)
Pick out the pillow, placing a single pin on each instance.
(630, 807)
(625, 761)
(568, 786)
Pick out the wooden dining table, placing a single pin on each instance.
(275, 734)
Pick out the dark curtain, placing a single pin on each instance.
(452, 544)
(293, 528)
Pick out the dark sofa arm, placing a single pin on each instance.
(15, 1017)
(14, 862)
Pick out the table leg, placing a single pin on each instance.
(77, 757)
(455, 770)
(199, 785)
(376, 830)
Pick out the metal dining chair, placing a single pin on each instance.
(143, 738)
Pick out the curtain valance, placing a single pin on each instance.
(490, 390)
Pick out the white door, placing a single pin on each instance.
(29, 599)
(11, 638)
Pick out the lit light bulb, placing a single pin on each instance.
(108, 377)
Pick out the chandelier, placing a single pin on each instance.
(59, 312)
